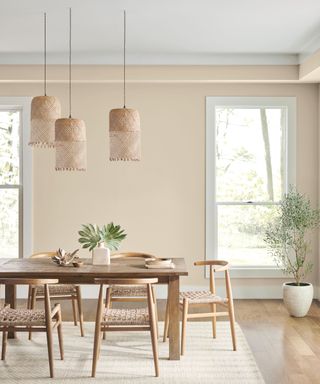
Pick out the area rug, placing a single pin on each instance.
(127, 358)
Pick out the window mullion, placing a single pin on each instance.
(10, 186)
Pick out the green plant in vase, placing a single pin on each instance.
(90, 236)
(286, 239)
(95, 239)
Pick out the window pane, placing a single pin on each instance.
(240, 234)
(9, 223)
(250, 153)
(9, 147)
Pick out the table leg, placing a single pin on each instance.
(174, 314)
(10, 298)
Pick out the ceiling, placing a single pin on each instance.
(162, 31)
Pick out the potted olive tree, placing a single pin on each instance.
(101, 240)
(286, 241)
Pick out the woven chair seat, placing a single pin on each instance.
(128, 291)
(21, 317)
(201, 297)
(136, 316)
(57, 289)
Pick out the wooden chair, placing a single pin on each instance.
(138, 319)
(32, 320)
(132, 293)
(58, 292)
(200, 298)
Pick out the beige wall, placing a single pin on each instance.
(161, 200)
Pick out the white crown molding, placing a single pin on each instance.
(96, 58)
(309, 49)
(152, 73)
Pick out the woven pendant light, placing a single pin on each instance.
(45, 110)
(124, 123)
(70, 135)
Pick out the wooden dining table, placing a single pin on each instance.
(85, 274)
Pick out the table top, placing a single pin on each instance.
(125, 267)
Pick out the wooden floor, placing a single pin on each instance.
(286, 349)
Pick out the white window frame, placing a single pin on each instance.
(23, 104)
(210, 211)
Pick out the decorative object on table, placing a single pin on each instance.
(109, 236)
(158, 263)
(124, 123)
(78, 263)
(101, 255)
(70, 134)
(64, 258)
(286, 241)
(45, 110)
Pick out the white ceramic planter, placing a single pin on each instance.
(297, 299)
(101, 255)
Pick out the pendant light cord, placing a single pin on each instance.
(124, 57)
(45, 52)
(70, 90)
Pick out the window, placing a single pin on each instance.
(15, 187)
(250, 153)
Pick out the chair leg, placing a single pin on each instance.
(96, 350)
(231, 310)
(29, 297)
(154, 341)
(50, 349)
(60, 337)
(97, 333)
(232, 326)
(32, 304)
(214, 321)
(155, 309)
(153, 329)
(74, 311)
(4, 345)
(108, 304)
(166, 323)
(184, 325)
(79, 301)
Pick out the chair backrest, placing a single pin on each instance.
(26, 281)
(138, 255)
(41, 255)
(216, 266)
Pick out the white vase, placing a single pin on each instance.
(101, 255)
(297, 298)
